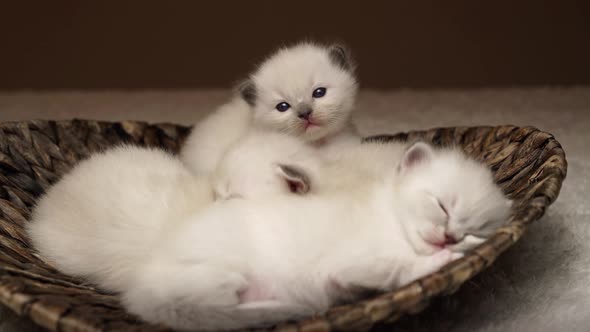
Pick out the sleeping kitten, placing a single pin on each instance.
(266, 163)
(269, 163)
(260, 261)
(307, 90)
(450, 202)
(108, 213)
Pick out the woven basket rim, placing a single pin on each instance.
(410, 298)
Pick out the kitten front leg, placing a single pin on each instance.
(353, 281)
(424, 265)
(468, 243)
(357, 278)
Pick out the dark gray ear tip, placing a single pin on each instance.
(340, 55)
(247, 91)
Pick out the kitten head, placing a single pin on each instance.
(263, 164)
(283, 178)
(306, 90)
(445, 197)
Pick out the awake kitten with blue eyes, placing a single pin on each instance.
(307, 91)
(311, 88)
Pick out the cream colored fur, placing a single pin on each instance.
(289, 75)
(212, 137)
(251, 167)
(101, 220)
(258, 261)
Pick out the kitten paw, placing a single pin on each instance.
(468, 243)
(425, 265)
(444, 257)
(456, 255)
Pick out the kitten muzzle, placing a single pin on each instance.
(304, 114)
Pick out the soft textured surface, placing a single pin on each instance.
(543, 283)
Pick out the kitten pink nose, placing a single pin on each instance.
(450, 239)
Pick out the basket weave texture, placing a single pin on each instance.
(528, 164)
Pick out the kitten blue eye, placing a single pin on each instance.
(282, 107)
(319, 92)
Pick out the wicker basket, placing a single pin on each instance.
(529, 164)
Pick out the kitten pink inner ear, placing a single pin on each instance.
(418, 153)
(296, 179)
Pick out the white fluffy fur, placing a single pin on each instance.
(290, 75)
(252, 167)
(104, 217)
(214, 135)
(135, 221)
(259, 261)
(445, 194)
(542, 283)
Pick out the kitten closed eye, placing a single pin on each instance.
(441, 205)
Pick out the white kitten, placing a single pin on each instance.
(267, 163)
(249, 262)
(451, 200)
(101, 219)
(105, 216)
(307, 91)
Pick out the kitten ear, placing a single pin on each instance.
(417, 153)
(247, 90)
(340, 56)
(295, 177)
